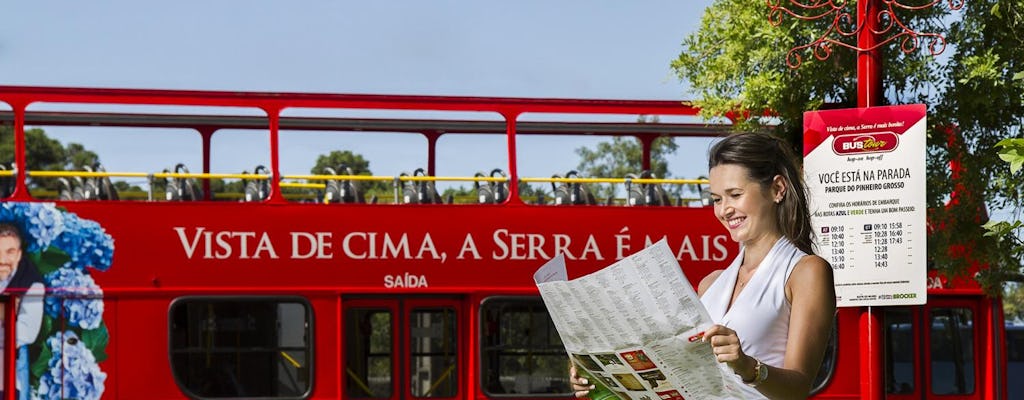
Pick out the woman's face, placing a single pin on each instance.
(745, 208)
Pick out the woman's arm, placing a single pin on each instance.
(707, 281)
(812, 296)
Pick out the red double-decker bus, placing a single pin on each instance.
(278, 283)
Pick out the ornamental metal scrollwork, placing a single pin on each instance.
(889, 26)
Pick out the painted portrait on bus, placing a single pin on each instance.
(47, 258)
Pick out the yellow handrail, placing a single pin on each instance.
(85, 174)
(401, 178)
(447, 372)
(208, 175)
(359, 382)
(303, 185)
(617, 180)
(338, 177)
(198, 175)
(291, 360)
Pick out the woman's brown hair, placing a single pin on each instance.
(764, 156)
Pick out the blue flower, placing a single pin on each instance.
(86, 243)
(40, 223)
(81, 298)
(72, 372)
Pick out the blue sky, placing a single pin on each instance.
(567, 49)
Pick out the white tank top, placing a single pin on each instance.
(760, 315)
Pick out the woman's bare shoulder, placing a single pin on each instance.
(812, 274)
(707, 281)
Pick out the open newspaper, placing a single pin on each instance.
(633, 329)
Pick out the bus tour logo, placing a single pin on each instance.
(862, 143)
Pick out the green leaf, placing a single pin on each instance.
(41, 363)
(1018, 76)
(49, 260)
(96, 341)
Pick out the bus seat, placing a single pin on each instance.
(78, 189)
(257, 189)
(646, 194)
(182, 189)
(571, 193)
(491, 192)
(105, 189)
(64, 189)
(348, 188)
(89, 185)
(343, 190)
(419, 192)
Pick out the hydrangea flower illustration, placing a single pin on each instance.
(81, 298)
(86, 243)
(73, 365)
(40, 223)
(74, 302)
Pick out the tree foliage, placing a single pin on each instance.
(623, 155)
(737, 65)
(45, 154)
(1012, 233)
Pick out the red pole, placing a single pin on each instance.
(10, 351)
(207, 134)
(274, 119)
(869, 94)
(869, 60)
(646, 143)
(20, 148)
(432, 137)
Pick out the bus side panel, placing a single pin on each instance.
(326, 353)
(140, 336)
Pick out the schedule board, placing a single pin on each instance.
(865, 172)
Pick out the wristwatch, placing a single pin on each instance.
(760, 374)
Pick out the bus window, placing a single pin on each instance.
(368, 368)
(1015, 360)
(433, 348)
(241, 347)
(899, 352)
(952, 351)
(521, 350)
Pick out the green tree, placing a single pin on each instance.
(45, 154)
(737, 65)
(622, 156)
(341, 159)
(1011, 232)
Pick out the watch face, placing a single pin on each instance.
(761, 376)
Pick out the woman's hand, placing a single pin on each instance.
(580, 386)
(726, 347)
